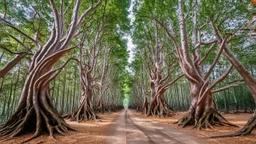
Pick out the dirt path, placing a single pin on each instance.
(130, 129)
(135, 128)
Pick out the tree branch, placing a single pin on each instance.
(226, 87)
(216, 58)
(207, 54)
(11, 64)
(18, 30)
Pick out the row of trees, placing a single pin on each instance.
(62, 58)
(200, 45)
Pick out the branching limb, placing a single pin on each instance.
(226, 87)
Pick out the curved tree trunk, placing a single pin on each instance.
(85, 110)
(202, 112)
(35, 111)
(247, 77)
(159, 107)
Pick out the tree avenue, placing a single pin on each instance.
(69, 60)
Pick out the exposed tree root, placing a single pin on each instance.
(247, 129)
(32, 120)
(186, 119)
(209, 118)
(85, 112)
(158, 108)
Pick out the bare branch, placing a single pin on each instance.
(22, 43)
(218, 37)
(226, 87)
(167, 32)
(11, 64)
(91, 8)
(208, 43)
(18, 30)
(165, 87)
(9, 51)
(216, 58)
(207, 54)
(214, 84)
(222, 77)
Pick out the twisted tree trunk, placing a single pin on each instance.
(35, 110)
(202, 112)
(85, 110)
(249, 80)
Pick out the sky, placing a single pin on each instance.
(130, 44)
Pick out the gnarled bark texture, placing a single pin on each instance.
(85, 110)
(35, 110)
(202, 111)
(249, 80)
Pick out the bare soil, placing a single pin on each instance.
(90, 132)
(238, 119)
(99, 132)
(131, 129)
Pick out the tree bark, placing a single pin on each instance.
(201, 111)
(248, 79)
(35, 109)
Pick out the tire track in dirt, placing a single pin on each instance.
(130, 129)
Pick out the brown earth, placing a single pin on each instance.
(90, 132)
(239, 119)
(98, 132)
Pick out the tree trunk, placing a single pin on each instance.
(35, 109)
(201, 111)
(251, 84)
(85, 110)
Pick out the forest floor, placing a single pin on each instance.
(238, 119)
(131, 127)
(89, 132)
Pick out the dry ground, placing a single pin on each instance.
(239, 119)
(98, 132)
(90, 132)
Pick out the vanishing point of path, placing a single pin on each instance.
(130, 129)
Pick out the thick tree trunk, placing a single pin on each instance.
(251, 84)
(203, 114)
(202, 111)
(85, 110)
(35, 110)
(247, 77)
(158, 107)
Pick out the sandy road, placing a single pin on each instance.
(130, 129)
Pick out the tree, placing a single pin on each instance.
(190, 47)
(35, 109)
(159, 63)
(249, 80)
(93, 44)
(89, 52)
